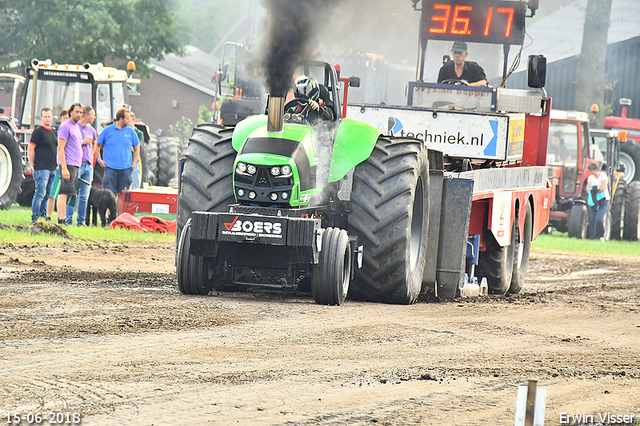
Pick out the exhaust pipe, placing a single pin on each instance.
(276, 112)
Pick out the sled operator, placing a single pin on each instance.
(460, 70)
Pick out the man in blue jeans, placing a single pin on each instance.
(85, 173)
(42, 159)
(69, 159)
(118, 141)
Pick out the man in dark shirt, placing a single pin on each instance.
(42, 154)
(469, 73)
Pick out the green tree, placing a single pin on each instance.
(205, 22)
(205, 115)
(591, 81)
(78, 31)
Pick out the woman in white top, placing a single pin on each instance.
(598, 201)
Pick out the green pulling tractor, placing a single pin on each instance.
(280, 203)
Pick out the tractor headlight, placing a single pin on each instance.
(275, 171)
(252, 195)
(241, 192)
(285, 170)
(285, 195)
(273, 196)
(241, 168)
(251, 169)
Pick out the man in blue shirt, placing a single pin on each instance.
(118, 140)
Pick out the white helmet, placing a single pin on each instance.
(306, 87)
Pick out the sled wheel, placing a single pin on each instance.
(521, 252)
(496, 265)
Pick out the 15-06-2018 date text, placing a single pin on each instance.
(37, 418)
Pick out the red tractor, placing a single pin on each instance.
(572, 147)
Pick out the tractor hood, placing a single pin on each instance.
(274, 169)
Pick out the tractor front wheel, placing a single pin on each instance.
(632, 212)
(330, 282)
(617, 211)
(194, 272)
(578, 221)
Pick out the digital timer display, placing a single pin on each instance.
(483, 21)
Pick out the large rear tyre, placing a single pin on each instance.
(152, 160)
(389, 214)
(330, 282)
(27, 189)
(632, 212)
(521, 252)
(496, 264)
(618, 210)
(207, 179)
(630, 160)
(10, 167)
(194, 273)
(578, 221)
(168, 161)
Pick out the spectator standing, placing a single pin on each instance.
(53, 194)
(135, 173)
(118, 141)
(85, 174)
(69, 159)
(42, 159)
(597, 200)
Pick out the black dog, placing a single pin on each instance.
(101, 200)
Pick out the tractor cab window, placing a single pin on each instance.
(563, 144)
(57, 95)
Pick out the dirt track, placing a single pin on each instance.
(113, 339)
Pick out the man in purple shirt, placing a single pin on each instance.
(85, 173)
(69, 159)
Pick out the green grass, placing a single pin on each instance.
(560, 243)
(20, 217)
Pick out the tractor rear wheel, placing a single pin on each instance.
(10, 167)
(194, 273)
(521, 252)
(389, 214)
(330, 282)
(578, 221)
(167, 161)
(497, 265)
(632, 212)
(630, 160)
(618, 211)
(152, 160)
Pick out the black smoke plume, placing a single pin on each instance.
(291, 29)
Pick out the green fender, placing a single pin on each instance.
(354, 143)
(244, 128)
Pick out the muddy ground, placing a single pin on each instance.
(101, 330)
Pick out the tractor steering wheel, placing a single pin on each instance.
(454, 81)
(298, 110)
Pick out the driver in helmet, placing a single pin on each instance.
(317, 95)
(466, 72)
